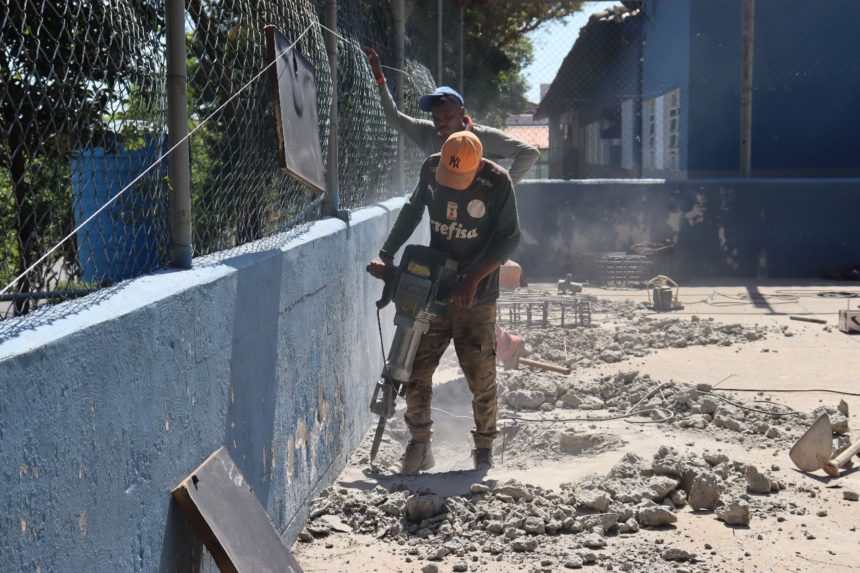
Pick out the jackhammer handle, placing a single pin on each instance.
(388, 288)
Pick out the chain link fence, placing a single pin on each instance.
(627, 89)
(83, 103)
(83, 110)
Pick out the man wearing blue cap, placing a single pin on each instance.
(449, 116)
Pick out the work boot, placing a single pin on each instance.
(418, 457)
(483, 458)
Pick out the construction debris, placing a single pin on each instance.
(638, 337)
(527, 524)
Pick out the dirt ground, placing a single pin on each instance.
(812, 528)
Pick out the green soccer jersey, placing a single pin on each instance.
(469, 226)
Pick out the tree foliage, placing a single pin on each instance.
(63, 65)
(497, 50)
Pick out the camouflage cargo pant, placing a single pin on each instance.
(474, 334)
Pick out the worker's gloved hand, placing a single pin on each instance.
(373, 59)
(463, 293)
(377, 266)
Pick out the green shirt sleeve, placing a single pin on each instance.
(409, 217)
(507, 235)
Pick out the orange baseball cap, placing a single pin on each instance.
(462, 156)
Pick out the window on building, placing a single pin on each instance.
(661, 132)
(650, 135)
(673, 129)
(596, 148)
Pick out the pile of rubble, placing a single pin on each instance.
(582, 348)
(693, 407)
(533, 526)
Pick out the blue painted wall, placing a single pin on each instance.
(806, 88)
(805, 85)
(108, 402)
(666, 60)
(718, 226)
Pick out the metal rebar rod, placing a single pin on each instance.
(332, 203)
(748, 37)
(177, 128)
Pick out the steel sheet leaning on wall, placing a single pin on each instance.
(294, 96)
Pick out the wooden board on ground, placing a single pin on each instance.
(231, 522)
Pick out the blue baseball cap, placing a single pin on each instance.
(426, 101)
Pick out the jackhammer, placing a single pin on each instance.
(419, 287)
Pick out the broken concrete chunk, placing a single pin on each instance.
(606, 521)
(593, 541)
(715, 459)
(627, 467)
(534, 525)
(735, 513)
(662, 485)
(657, 516)
(667, 462)
(677, 554)
(525, 399)
(479, 488)
(514, 491)
(426, 506)
(524, 544)
(756, 481)
(594, 499)
(705, 492)
(678, 497)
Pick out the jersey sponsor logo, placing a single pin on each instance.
(485, 182)
(476, 208)
(453, 231)
(452, 211)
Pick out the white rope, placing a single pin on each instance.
(357, 45)
(157, 161)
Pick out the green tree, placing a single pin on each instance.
(65, 66)
(498, 49)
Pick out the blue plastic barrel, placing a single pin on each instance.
(130, 237)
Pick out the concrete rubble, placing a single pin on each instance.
(525, 524)
(633, 338)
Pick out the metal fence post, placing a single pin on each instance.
(399, 25)
(439, 41)
(177, 113)
(748, 36)
(332, 190)
(462, 43)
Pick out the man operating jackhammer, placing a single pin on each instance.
(449, 116)
(473, 220)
